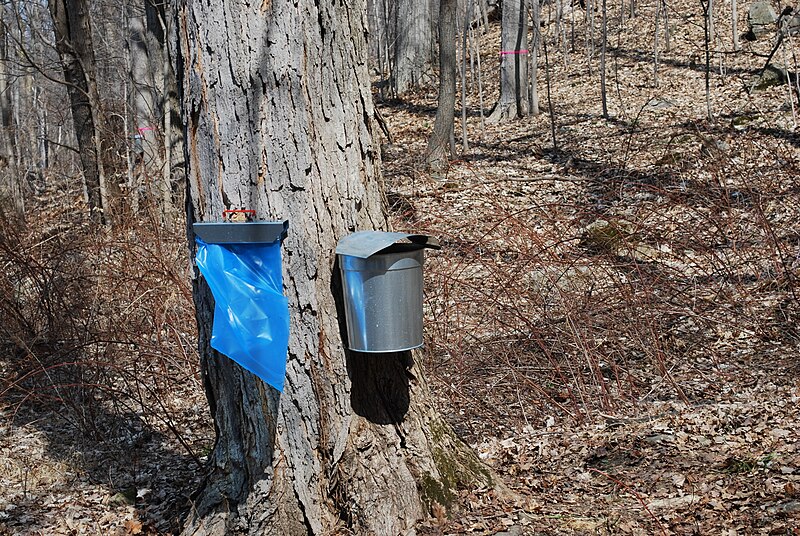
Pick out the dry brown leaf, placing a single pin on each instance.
(133, 526)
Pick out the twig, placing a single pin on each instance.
(635, 494)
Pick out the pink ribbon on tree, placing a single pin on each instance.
(513, 52)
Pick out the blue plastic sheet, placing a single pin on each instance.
(251, 317)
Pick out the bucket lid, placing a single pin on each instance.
(364, 244)
(258, 232)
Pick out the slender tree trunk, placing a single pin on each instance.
(132, 138)
(534, 57)
(468, 8)
(604, 30)
(655, 45)
(477, 52)
(439, 142)
(279, 119)
(590, 32)
(550, 106)
(735, 25)
(146, 76)
(10, 180)
(710, 16)
(706, 6)
(42, 144)
(171, 139)
(73, 36)
(513, 102)
(42, 136)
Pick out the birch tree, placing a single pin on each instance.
(279, 119)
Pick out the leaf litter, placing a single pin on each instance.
(611, 325)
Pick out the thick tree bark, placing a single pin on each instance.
(73, 34)
(513, 102)
(440, 141)
(278, 117)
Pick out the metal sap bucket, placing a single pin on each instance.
(382, 287)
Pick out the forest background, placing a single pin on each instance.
(612, 321)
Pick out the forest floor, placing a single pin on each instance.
(614, 319)
(612, 322)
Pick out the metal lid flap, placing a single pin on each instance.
(364, 244)
(241, 232)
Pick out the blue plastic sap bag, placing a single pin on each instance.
(251, 317)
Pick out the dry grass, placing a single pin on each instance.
(100, 388)
(612, 323)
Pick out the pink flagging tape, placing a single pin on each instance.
(513, 52)
(146, 129)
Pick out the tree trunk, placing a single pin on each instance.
(10, 183)
(712, 35)
(604, 30)
(468, 9)
(655, 44)
(379, 37)
(413, 36)
(706, 5)
(513, 102)
(145, 97)
(279, 115)
(73, 37)
(439, 143)
(153, 92)
(534, 58)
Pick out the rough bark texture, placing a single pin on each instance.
(73, 36)
(513, 102)
(413, 51)
(443, 126)
(278, 118)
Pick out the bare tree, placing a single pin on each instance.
(604, 36)
(533, 91)
(468, 9)
(73, 35)
(413, 39)
(10, 183)
(706, 6)
(513, 102)
(279, 118)
(153, 99)
(442, 140)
